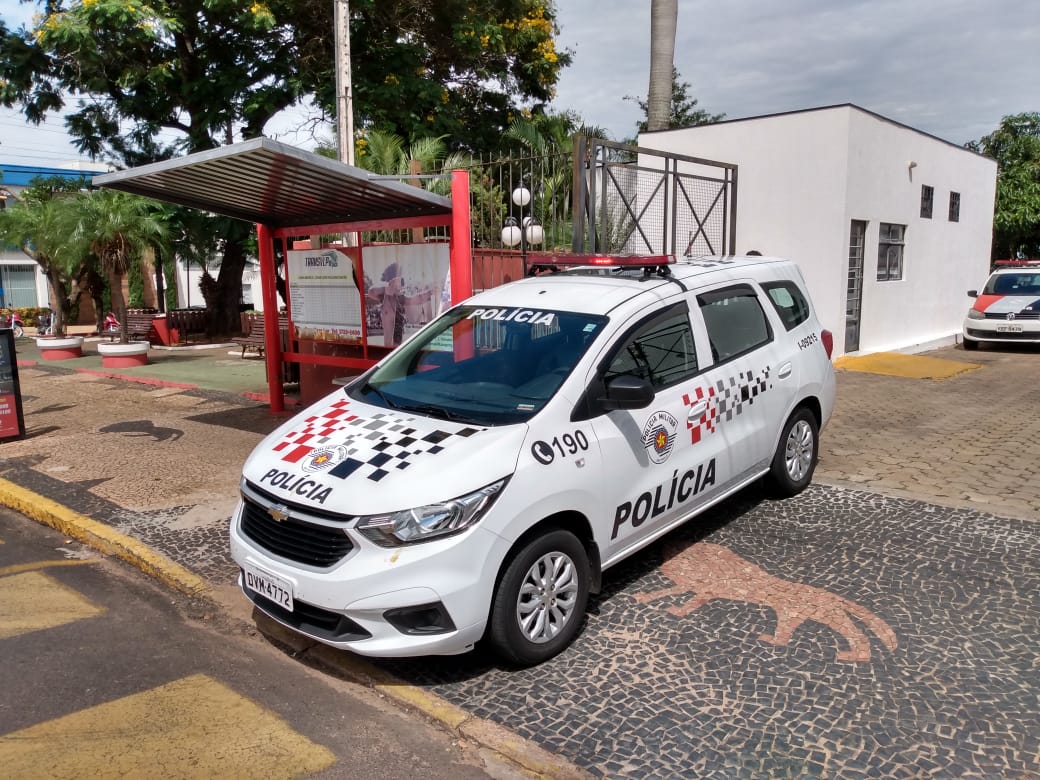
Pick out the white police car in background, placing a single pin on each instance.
(1007, 310)
(477, 481)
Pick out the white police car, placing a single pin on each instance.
(478, 481)
(1007, 310)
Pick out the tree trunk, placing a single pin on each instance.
(115, 283)
(223, 294)
(664, 16)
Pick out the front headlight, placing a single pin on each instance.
(433, 521)
(975, 314)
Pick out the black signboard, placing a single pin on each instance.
(12, 424)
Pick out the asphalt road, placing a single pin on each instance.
(106, 674)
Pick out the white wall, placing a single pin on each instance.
(802, 178)
(941, 259)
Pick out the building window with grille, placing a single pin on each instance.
(927, 199)
(955, 207)
(890, 252)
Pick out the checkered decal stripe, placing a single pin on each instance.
(727, 398)
(375, 446)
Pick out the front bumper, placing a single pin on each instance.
(425, 599)
(1016, 331)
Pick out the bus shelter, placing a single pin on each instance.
(294, 197)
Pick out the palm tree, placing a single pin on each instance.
(120, 227)
(664, 16)
(45, 230)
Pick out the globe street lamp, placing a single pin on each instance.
(525, 232)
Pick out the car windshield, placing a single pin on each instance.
(484, 365)
(1026, 283)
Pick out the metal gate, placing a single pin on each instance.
(633, 200)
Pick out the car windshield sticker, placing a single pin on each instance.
(344, 444)
(530, 316)
(726, 399)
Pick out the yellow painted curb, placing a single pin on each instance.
(907, 366)
(101, 537)
(532, 759)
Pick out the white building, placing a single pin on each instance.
(891, 226)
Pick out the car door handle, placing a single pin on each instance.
(785, 371)
(697, 410)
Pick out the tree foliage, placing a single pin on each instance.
(684, 110)
(457, 69)
(120, 228)
(1015, 145)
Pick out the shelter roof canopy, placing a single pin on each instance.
(280, 186)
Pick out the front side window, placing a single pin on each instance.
(890, 252)
(660, 351)
(484, 365)
(789, 303)
(735, 321)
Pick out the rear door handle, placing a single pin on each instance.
(785, 371)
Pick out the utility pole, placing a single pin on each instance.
(344, 98)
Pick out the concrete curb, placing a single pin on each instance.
(491, 737)
(102, 538)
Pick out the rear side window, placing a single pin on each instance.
(789, 303)
(735, 321)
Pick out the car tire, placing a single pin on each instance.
(795, 459)
(970, 344)
(539, 605)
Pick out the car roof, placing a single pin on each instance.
(597, 293)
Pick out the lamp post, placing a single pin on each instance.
(525, 232)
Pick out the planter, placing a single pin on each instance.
(55, 348)
(123, 355)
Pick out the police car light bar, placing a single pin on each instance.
(1016, 263)
(549, 260)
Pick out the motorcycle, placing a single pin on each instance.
(14, 322)
(110, 325)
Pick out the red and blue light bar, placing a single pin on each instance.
(550, 260)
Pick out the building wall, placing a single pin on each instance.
(802, 178)
(941, 259)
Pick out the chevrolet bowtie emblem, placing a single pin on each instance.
(278, 512)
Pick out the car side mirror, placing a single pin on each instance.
(973, 293)
(626, 391)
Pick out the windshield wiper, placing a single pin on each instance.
(435, 411)
(381, 395)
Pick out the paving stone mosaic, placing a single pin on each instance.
(649, 693)
(842, 633)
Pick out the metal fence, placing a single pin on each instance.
(597, 196)
(643, 201)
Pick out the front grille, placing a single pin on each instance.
(1019, 315)
(311, 620)
(294, 538)
(992, 335)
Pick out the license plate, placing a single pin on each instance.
(269, 586)
(1009, 328)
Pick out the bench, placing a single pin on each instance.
(187, 322)
(254, 339)
(139, 325)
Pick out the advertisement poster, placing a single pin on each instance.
(12, 424)
(405, 286)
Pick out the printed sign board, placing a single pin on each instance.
(12, 423)
(405, 286)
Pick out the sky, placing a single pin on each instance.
(950, 68)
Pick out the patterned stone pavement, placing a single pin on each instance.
(888, 631)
